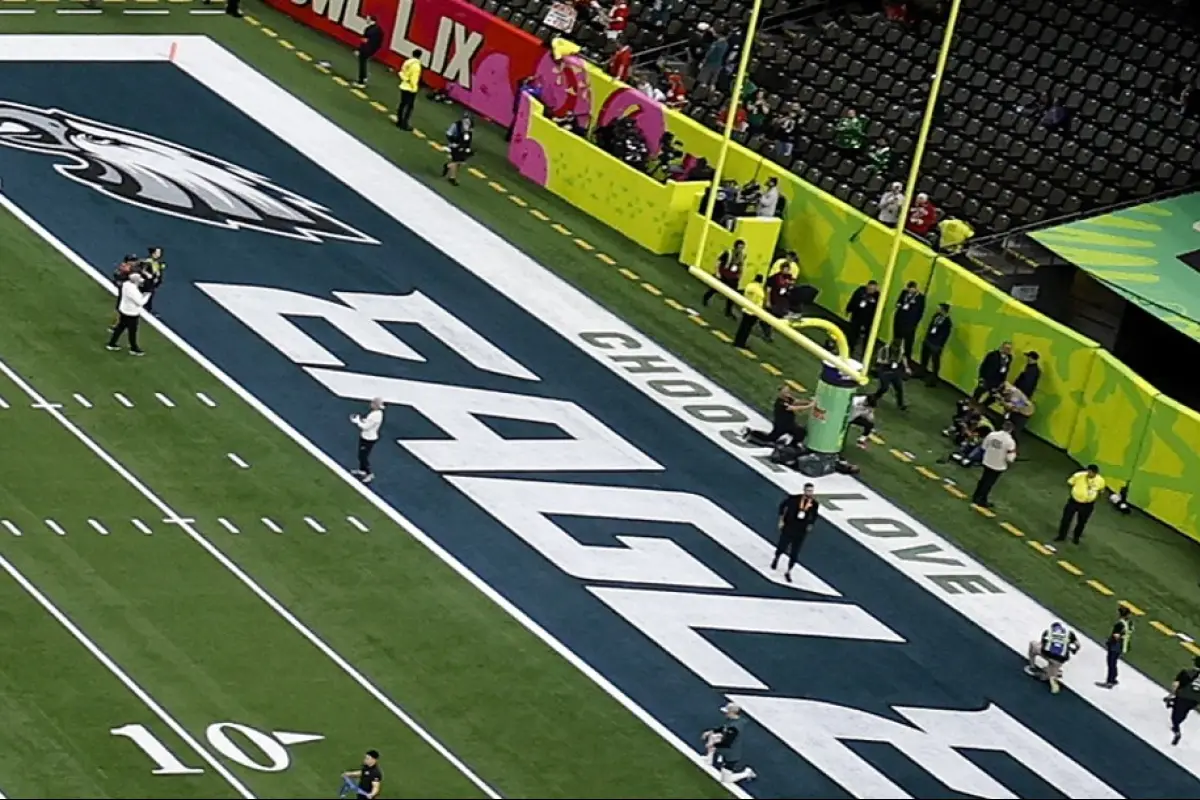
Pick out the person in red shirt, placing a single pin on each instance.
(922, 216)
(729, 271)
(621, 63)
(676, 91)
(779, 287)
(618, 19)
(740, 120)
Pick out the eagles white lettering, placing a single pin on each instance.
(266, 311)
(525, 506)
(474, 447)
(671, 619)
(818, 732)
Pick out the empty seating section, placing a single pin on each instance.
(986, 160)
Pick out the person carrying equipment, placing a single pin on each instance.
(1055, 648)
(1184, 696)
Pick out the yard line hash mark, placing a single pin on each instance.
(4, 403)
(54, 526)
(123, 400)
(227, 525)
(166, 401)
(123, 677)
(10, 527)
(141, 526)
(235, 458)
(316, 526)
(208, 401)
(271, 525)
(357, 523)
(98, 527)
(83, 401)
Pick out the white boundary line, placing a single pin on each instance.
(123, 677)
(186, 526)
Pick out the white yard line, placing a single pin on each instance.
(186, 526)
(123, 677)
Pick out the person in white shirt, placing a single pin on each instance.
(129, 311)
(862, 414)
(890, 203)
(368, 435)
(769, 201)
(999, 450)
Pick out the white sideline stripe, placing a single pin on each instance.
(248, 582)
(141, 526)
(11, 527)
(227, 525)
(99, 528)
(357, 523)
(235, 458)
(129, 48)
(208, 401)
(123, 677)
(166, 401)
(83, 401)
(54, 526)
(316, 526)
(123, 400)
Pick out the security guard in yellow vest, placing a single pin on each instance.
(756, 295)
(155, 270)
(410, 84)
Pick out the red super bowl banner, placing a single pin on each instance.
(476, 58)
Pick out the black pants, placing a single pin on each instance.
(893, 382)
(365, 446)
(866, 425)
(1179, 711)
(1081, 512)
(742, 337)
(908, 338)
(233, 8)
(856, 332)
(984, 488)
(126, 324)
(931, 362)
(405, 109)
(984, 393)
(732, 284)
(1113, 655)
(364, 58)
(790, 541)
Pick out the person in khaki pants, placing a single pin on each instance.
(1055, 648)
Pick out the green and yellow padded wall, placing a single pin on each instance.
(761, 236)
(1088, 403)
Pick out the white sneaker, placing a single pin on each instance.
(370, 476)
(358, 473)
(113, 348)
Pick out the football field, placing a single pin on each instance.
(561, 570)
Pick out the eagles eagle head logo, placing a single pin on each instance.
(168, 178)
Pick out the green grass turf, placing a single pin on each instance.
(204, 645)
(1142, 561)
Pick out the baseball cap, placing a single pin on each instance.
(1032, 354)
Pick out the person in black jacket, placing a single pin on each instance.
(910, 307)
(993, 373)
(797, 513)
(892, 368)
(936, 336)
(861, 310)
(371, 43)
(1027, 381)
